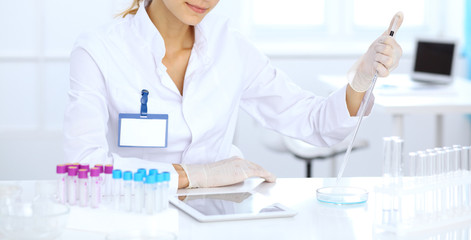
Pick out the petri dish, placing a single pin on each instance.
(342, 195)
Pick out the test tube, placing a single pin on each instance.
(420, 173)
(95, 187)
(465, 168)
(138, 203)
(464, 159)
(83, 187)
(165, 189)
(100, 177)
(72, 185)
(108, 183)
(457, 159)
(61, 171)
(441, 194)
(116, 188)
(149, 194)
(127, 190)
(159, 192)
(397, 163)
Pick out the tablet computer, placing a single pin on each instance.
(230, 206)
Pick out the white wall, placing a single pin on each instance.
(34, 81)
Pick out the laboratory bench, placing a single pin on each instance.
(314, 219)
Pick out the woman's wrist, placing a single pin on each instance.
(182, 177)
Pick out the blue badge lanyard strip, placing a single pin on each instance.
(144, 100)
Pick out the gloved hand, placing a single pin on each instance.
(382, 56)
(224, 172)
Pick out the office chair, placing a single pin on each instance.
(309, 153)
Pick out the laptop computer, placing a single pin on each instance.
(434, 60)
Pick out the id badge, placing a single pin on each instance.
(143, 130)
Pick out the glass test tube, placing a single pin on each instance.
(410, 166)
(465, 168)
(117, 188)
(465, 157)
(149, 194)
(165, 188)
(138, 202)
(441, 193)
(127, 190)
(61, 171)
(457, 159)
(95, 187)
(397, 164)
(83, 187)
(72, 185)
(420, 173)
(107, 193)
(387, 155)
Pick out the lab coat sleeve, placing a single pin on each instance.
(278, 104)
(86, 120)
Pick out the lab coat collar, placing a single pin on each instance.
(152, 38)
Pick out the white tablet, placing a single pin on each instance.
(230, 206)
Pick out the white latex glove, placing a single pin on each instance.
(382, 57)
(224, 172)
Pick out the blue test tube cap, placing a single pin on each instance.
(116, 174)
(166, 176)
(150, 179)
(160, 177)
(153, 171)
(138, 177)
(127, 176)
(143, 171)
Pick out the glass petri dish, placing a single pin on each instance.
(342, 195)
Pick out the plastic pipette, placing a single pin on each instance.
(362, 113)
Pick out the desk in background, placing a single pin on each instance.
(398, 95)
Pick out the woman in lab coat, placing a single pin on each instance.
(200, 72)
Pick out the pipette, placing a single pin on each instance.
(362, 112)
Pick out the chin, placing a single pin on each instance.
(192, 21)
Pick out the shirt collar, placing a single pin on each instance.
(152, 38)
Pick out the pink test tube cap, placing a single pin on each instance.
(61, 168)
(83, 173)
(108, 169)
(72, 171)
(95, 172)
(100, 167)
(84, 166)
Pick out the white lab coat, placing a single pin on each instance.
(110, 66)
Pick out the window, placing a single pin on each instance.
(335, 24)
(294, 14)
(363, 13)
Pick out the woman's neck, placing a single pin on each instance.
(176, 34)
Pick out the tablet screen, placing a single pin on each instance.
(230, 203)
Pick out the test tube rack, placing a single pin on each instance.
(429, 190)
(416, 204)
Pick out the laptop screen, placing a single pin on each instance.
(434, 57)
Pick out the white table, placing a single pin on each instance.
(398, 95)
(314, 220)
